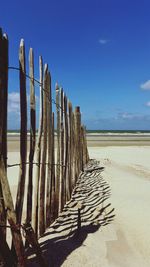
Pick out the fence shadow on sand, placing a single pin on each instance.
(87, 211)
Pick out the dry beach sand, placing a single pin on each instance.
(127, 170)
(126, 241)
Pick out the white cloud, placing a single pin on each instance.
(148, 104)
(127, 115)
(14, 102)
(146, 85)
(103, 41)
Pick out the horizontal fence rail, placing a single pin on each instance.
(54, 164)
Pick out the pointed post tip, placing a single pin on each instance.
(56, 86)
(45, 67)
(5, 36)
(22, 42)
(40, 58)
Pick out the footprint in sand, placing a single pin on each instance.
(106, 161)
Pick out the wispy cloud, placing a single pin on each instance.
(103, 41)
(146, 85)
(14, 109)
(14, 102)
(126, 115)
(147, 104)
(133, 116)
(122, 120)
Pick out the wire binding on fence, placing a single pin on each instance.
(37, 81)
(53, 186)
(35, 163)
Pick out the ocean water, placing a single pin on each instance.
(119, 132)
(102, 132)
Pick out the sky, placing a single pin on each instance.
(97, 50)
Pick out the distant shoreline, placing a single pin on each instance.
(94, 140)
(97, 133)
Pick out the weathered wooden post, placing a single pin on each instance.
(1, 88)
(70, 162)
(85, 148)
(54, 208)
(5, 100)
(66, 150)
(3, 134)
(23, 133)
(3, 117)
(77, 118)
(44, 154)
(61, 193)
(85, 156)
(11, 216)
(73, 151)
(61, 168)
(38, 152)
(58, 137)
(49, 152)
(32, 137)
(32, 240)
(82, 147)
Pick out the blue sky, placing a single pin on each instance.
(98, 50)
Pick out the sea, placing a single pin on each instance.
(102, 132)
(119, 132)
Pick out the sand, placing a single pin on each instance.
(127, 170)
(126, 241)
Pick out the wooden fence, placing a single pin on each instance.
(54, 159)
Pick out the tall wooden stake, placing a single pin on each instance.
(82, 147)
(54, 208)
(38, 152)
(5, 68)
(11, 215)
(43, 161)
(1, 88)
(61, 193)
(66, 150)
(23, 133)
(58, 145)
(77, 141)
(49, 152)
(3, 120)
(73, 152)
(70, 163)
(32, 137)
